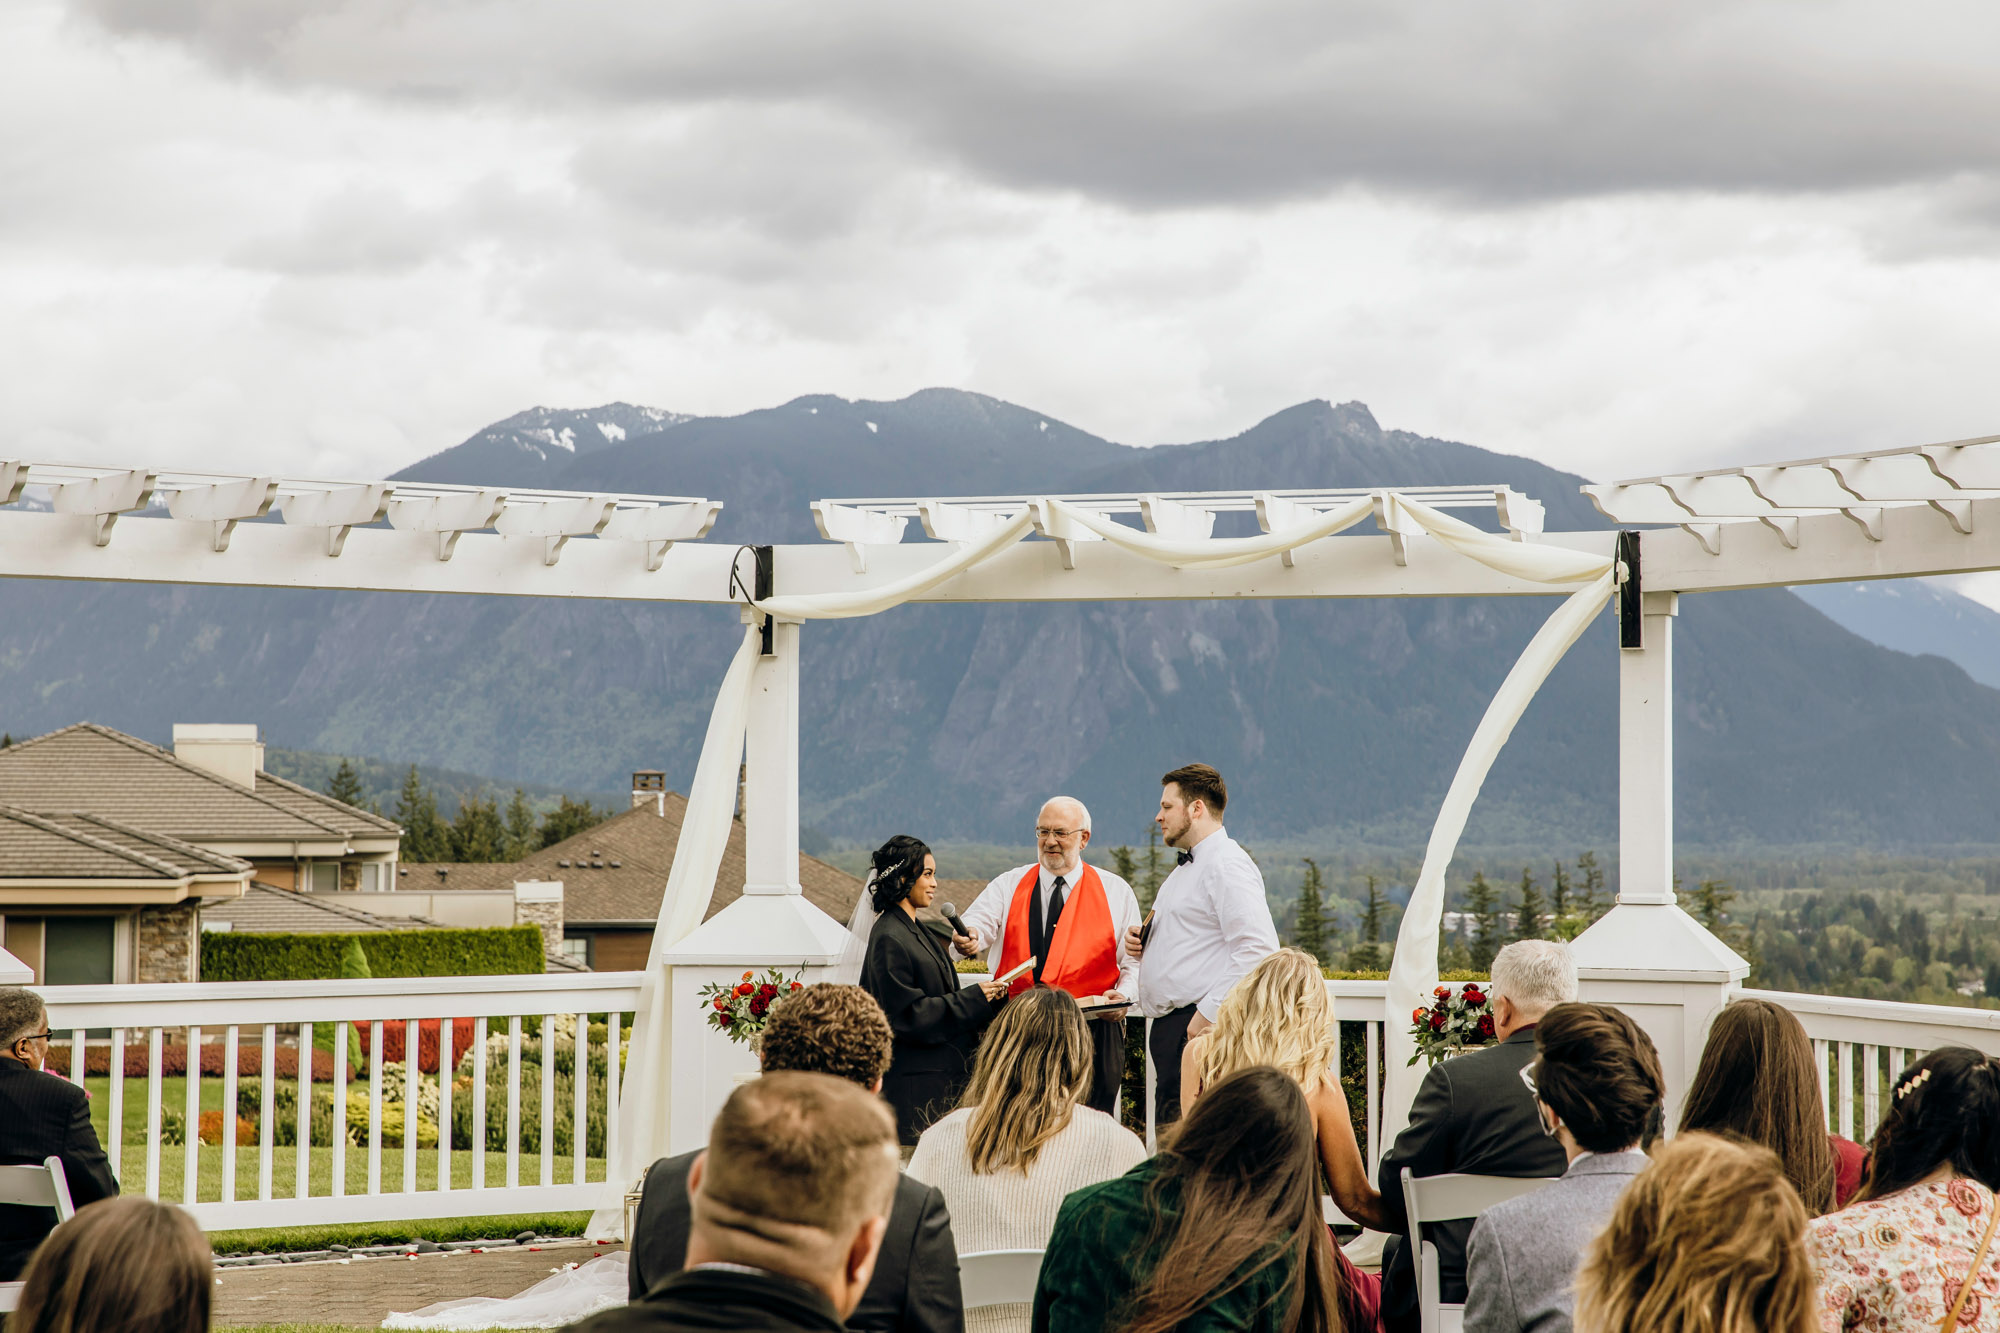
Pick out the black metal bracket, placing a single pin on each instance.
(767, 580)
(1631, 613)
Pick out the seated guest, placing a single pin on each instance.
(1597, 1082)
(40, 1117)
(131, 1265)
(1758, 1081)
(836, 1030)
(1896, 1257)
(1024, 1140)
(1474, 1114)
(1279, 1015)
(791, 1201)
(1221, 1230)
(1707, 1239)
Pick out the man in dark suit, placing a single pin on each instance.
(839, 1031)
(790, 1204)
(1475, 1114)
(40, 1117)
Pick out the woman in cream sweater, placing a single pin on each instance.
(1023, 1139)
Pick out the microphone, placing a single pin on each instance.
(950, 911)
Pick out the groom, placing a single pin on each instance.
(1071, 918)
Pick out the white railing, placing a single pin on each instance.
(474, 1167)
(1863, 1044)
(1365, 1004)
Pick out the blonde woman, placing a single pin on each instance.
(1708, 1239)
(1279, 1015)
(1022, 1140)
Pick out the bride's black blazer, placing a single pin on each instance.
(936, 1021)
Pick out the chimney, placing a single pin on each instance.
(649, 787)
(229, 750)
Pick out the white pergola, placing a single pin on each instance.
(1932, 509)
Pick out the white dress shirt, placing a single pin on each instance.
(1211, 924)
(987, 917)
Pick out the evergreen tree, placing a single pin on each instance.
(6, 739)
(1370, 954)
(1711, 906)
(1559, 903)
(1155, 873)
(476, 833)
(568, 819)
(1590, 903)
(1529, 909)
(424, 835)
(1309, 928)
(1125, 865)
(346, 786)
(1482, 905)
(521, 838)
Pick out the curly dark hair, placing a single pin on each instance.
(828, 1029)
(898, 863)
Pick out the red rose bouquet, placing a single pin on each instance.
(1454, 1021)
(741, 1009)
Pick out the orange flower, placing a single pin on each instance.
(1416, 1015)
(746, 976)
(1442, 992)
(745, 988)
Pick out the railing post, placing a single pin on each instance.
(1646, 955)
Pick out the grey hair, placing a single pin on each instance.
(1536, 975)
(21, 1015)
(1082, 810)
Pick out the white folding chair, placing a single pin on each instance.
(1450, 1199)
(998, 1277)
(41, 1186)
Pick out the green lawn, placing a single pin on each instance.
(281, 1240)
(284, 1168)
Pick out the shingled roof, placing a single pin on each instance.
(76, 845)
(120, 777)
(616, 872)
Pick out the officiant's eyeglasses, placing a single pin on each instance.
(1059, 834)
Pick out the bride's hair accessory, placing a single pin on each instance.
(1917, 1082)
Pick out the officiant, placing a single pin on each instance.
(1071, 918)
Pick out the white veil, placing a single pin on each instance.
(847, 968)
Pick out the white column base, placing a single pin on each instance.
(1666, 970)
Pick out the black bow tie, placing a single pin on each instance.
(1184, 858)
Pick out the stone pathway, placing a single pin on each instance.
(361, 1293)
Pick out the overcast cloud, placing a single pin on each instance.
(332, 237)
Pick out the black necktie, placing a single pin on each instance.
(1184, 858)
(1056, 904)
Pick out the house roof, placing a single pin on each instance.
(72, 845)
(268, 910)
(92, 767)
(617, 871)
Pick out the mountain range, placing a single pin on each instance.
(1342, 717)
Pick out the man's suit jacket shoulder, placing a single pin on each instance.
(1523, 1254)
(915, 1287)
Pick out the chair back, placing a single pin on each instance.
(998, 1277)
(1451, 1198)
(42, 1186)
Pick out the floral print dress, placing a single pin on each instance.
(1895, 1264)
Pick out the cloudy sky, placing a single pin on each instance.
(330, 236)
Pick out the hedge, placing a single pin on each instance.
(492, 951)
(173, 1060)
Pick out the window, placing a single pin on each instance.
(78, 950)
(577, 949)
(323, 876)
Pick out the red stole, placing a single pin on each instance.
(1083, 952)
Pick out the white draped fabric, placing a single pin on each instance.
(1215, 552)
(843, 605)
(643, 1101)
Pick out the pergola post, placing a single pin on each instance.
(771, 925)
(1646, 955)
(771, 772)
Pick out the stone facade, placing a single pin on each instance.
(540, 903)
(168, 943)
